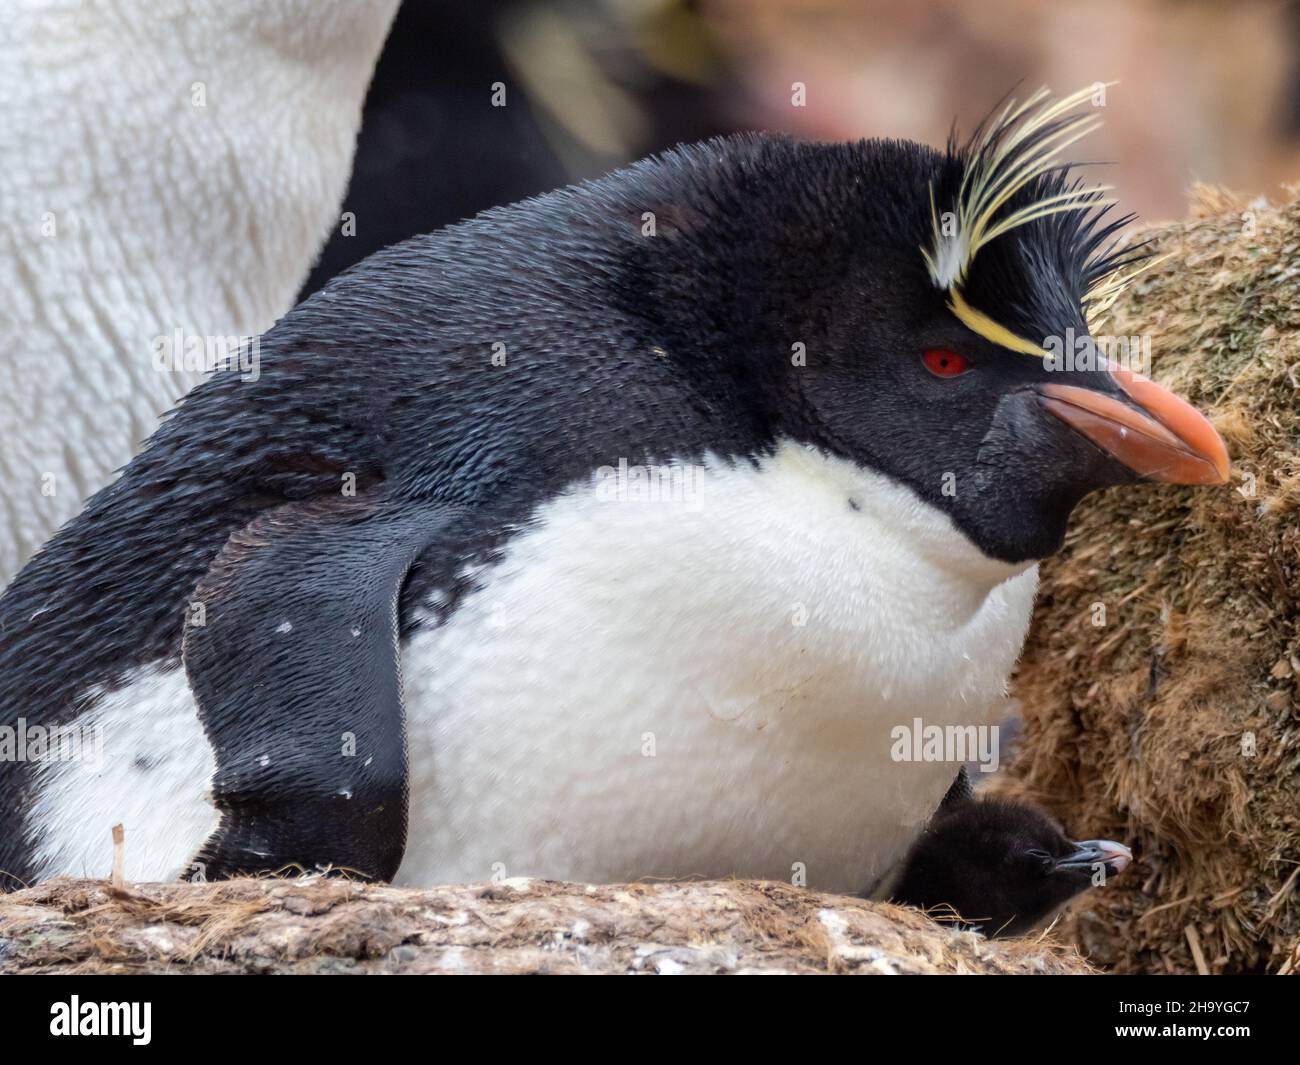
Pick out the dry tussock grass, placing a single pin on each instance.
(327, 926)
(1175, 726)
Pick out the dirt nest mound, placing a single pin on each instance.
(1159, 682)
(519, 926)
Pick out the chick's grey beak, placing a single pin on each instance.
(1087, 855)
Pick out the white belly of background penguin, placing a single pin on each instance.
(103, 114)
(396, 609)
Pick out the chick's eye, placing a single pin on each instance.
(1041, 858)
(944, 363)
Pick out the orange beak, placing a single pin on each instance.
(1167, 440)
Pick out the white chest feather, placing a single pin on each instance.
(705, 684)
(699, 685)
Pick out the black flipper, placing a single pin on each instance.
(296, 671)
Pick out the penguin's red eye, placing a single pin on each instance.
(944, 363)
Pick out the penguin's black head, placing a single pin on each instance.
(905, 308)
(1002, 866)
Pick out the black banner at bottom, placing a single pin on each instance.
(342, 1014)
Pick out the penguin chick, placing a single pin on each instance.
(1004, 867)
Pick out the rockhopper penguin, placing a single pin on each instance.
(1004, 867)
(604, 536)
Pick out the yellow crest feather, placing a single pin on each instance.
(1007, 155)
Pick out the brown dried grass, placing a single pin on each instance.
(1142, 728)
(336, 926)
